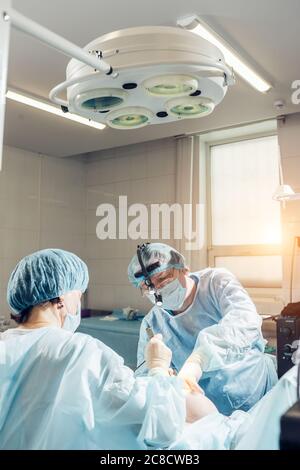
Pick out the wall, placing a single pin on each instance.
(49, 202)
(42, 205)
(146, 174)
(289, 141)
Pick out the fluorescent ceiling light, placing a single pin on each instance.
(232, 58)
(44, 106)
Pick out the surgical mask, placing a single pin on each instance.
(72, 322)
(173, 295)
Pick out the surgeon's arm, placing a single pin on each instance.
(152, 408)
(158, 360)
(236, 333)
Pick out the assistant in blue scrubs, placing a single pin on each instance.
(65, 390)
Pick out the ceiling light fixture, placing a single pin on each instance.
(154, 65)
(232, 58)
(49, 108)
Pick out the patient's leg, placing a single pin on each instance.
(258, 429)
(198, 406)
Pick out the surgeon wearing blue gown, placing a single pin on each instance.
(66, 390)
(209, 322)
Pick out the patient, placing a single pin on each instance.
(257, 429)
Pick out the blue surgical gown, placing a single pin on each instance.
(60, 390)
(261, 429)
(224, 327)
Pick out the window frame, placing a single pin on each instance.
(214, 251)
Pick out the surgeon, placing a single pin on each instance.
(210, 324)
(66, 390)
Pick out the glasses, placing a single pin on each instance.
(160, 280)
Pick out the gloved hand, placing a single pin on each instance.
(191, 373)
(157, 354)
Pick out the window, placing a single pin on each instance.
(245, 233)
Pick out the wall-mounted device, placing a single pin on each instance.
(288, 335)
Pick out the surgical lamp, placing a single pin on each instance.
(154, 75)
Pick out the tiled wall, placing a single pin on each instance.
(42, 205)
(145, 173)
(49, 202)
(289, 141)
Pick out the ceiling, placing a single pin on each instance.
(265, 32)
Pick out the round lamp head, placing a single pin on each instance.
(100, 100)
(171, 85)
(129, 118)
(190, 107)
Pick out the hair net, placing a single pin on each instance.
(164, 255)
(43, 276)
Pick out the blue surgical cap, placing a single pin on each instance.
(165, 256)
(43, 276)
